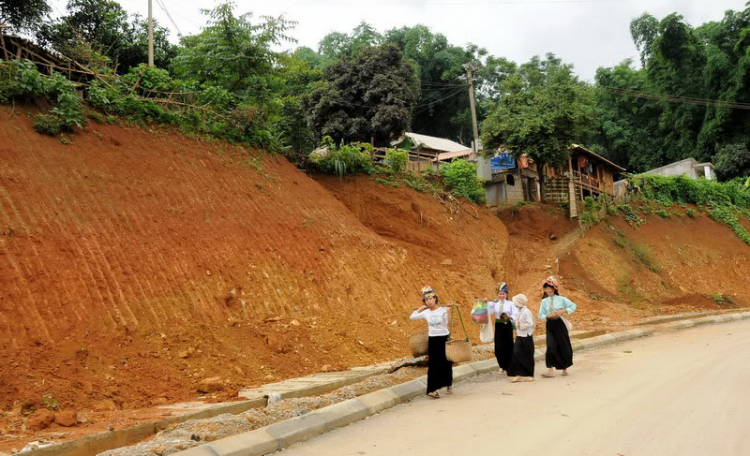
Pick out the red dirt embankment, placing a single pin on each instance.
(134, 265)
(618, 272)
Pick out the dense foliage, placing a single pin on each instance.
(688, 96)
(461, 178)
(20, 81)
(23, 14)
(684, 101)
(366, 98)
(103, 36)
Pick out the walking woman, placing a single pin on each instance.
(505, 316)
(522, 364)
(552, 310)
(439, 369)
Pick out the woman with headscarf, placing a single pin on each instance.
(439, 369)
(552, 310)
(522, 364)
(505, 313)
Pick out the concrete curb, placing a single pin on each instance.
(280, 435)
(103, 441)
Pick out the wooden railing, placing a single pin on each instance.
(418, 162)
(557, 189)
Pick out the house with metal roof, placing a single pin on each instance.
(433, 148)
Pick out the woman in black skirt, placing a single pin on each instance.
(439, 369)
(522, 363)
(552, 310)
(505, 316)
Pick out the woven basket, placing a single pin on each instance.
(458, 351)
(418, 343)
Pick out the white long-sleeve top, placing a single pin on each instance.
(524, 322)
(437, 320)
(498, 308)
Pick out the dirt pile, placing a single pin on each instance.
(135, 265)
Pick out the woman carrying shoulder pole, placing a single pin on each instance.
(552, 310)
(439, 369)
(505, 315)
(522, 364)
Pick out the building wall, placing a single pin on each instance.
(514, 193)
(495, 193)
(684, 167)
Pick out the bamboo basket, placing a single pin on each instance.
(458, 351)
(418, 343)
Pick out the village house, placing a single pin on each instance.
(428, 152)
(586, 174)
(688, 167)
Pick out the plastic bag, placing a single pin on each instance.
(486, 333)
(479, 312)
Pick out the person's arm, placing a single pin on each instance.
(417, 314)
(570, 306)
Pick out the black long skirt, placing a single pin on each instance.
(503, 344)
(439, 369)
(559, 350)
(522, 364)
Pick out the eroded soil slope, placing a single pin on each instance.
(134, 264)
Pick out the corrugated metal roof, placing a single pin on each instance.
(581, 148)
(431, 142)
(456, 154)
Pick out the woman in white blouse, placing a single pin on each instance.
(505, 313)
(439, 369)
(522, 364)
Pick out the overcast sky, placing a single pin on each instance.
(586, 33)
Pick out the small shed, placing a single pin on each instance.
(510, 180)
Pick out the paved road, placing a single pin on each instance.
(683, 393)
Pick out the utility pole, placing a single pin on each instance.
(151, 36)
(469, 70)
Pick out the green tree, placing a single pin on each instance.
(365, 97)
(627, 132)
(100, 33)
(23, 14)
(231, 51)
(733, 160)
(544, 108)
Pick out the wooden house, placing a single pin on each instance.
(587, 174)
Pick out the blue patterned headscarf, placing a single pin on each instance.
(502, 287)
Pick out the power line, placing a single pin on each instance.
(677, 99)
(164, 8)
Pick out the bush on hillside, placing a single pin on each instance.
(461, 178)
(344, 159)
(397, 159)
(20, 80)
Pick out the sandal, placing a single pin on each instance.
(434, 395)
(565, 373)
(515, 379)
(449, 390)
(546, 375)
(528, 379)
